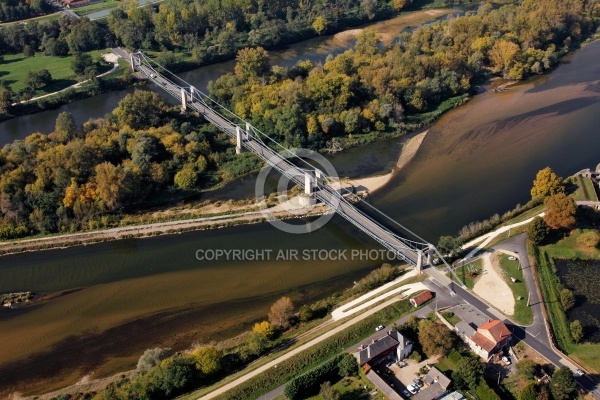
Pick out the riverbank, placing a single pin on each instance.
(217, 215)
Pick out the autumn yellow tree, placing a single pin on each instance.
(560, 211)
(546, 183)
(320, 25)
(264, 328)
(251, 64)
(208, 359)
(503, 54)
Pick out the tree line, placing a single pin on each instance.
(14, 10)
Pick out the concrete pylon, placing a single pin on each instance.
(308, 183)
(192, 89)
(430, 251)
(419, 262)
(183, 100)
(319, 175)
(248, 132)
(132, 62)
(238, 140)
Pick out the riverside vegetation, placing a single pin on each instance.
(144, 153)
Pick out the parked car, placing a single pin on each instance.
(418, 383)
(380, 327)
(578, 372)
(505, 360)
(406, 393)
(412, 388)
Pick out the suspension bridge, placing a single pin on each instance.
(316, 184)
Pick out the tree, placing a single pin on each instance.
(281, 312)
(257, 343)
(435, 338)
(398, 4)
(187, 177)
(567, 299)
(208, 359)
(328, 392)
(83, 65)
(544, 394)
(150, 358)
(589, 239)
(563, 385)
(320, 25)
(38, 79)
(560, 211)
(367, 42)
(140, 110)
(251, 64)
(576, 330)
(263, 328)
(470, 370)
(503, 54)
(6, 100)
(448, 244)
(546, 183)
(65, 128)
(529, 392)
(537, 231)
(110, 185)
(306, 313)
(347, 366)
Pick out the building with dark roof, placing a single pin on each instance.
(436, 385)
(392, 343)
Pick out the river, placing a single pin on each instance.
(115, 299)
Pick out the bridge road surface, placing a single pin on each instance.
(323, 192)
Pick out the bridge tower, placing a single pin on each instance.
(183, 100)
(430, 251)
(419, 265)
(238, 140)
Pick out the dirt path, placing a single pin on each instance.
(492, 287)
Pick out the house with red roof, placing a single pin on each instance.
(490, 338)
(421, 298)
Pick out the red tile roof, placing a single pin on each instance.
(496, 329)
(422, 298)
(483, 342)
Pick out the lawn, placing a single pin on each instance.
(468, 273)
(352, 388)
(584, 189)
(15, 67)
(522, 314)
(98, 6)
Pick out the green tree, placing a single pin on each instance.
(320, 25)
(281, 313)
(470, 370)
(563, 385)
(38, 79)
(257, 343)
(576, 330)
(187, 177)
(567, 299)
(560, 211)
(306, 313)
(328, 392)
(546, 183)
(347, 366)
(6, 100)
(140, 110)
(537, 231)
(435, 338)
(83, 65)
(65, 128)
(448, 244)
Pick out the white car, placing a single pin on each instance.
(578, 372)
(412, 388)
(380, 327)
(505, 360)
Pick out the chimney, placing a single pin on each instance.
(389, 333)
(372, 341)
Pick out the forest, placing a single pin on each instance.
(145, 153)
(14, 10)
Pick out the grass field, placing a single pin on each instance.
(522, 314)
(468, 273)
(98, 6)
(15, 67)
(352, 388)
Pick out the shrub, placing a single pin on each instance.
(310, 382)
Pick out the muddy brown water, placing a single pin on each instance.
(136, 294)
